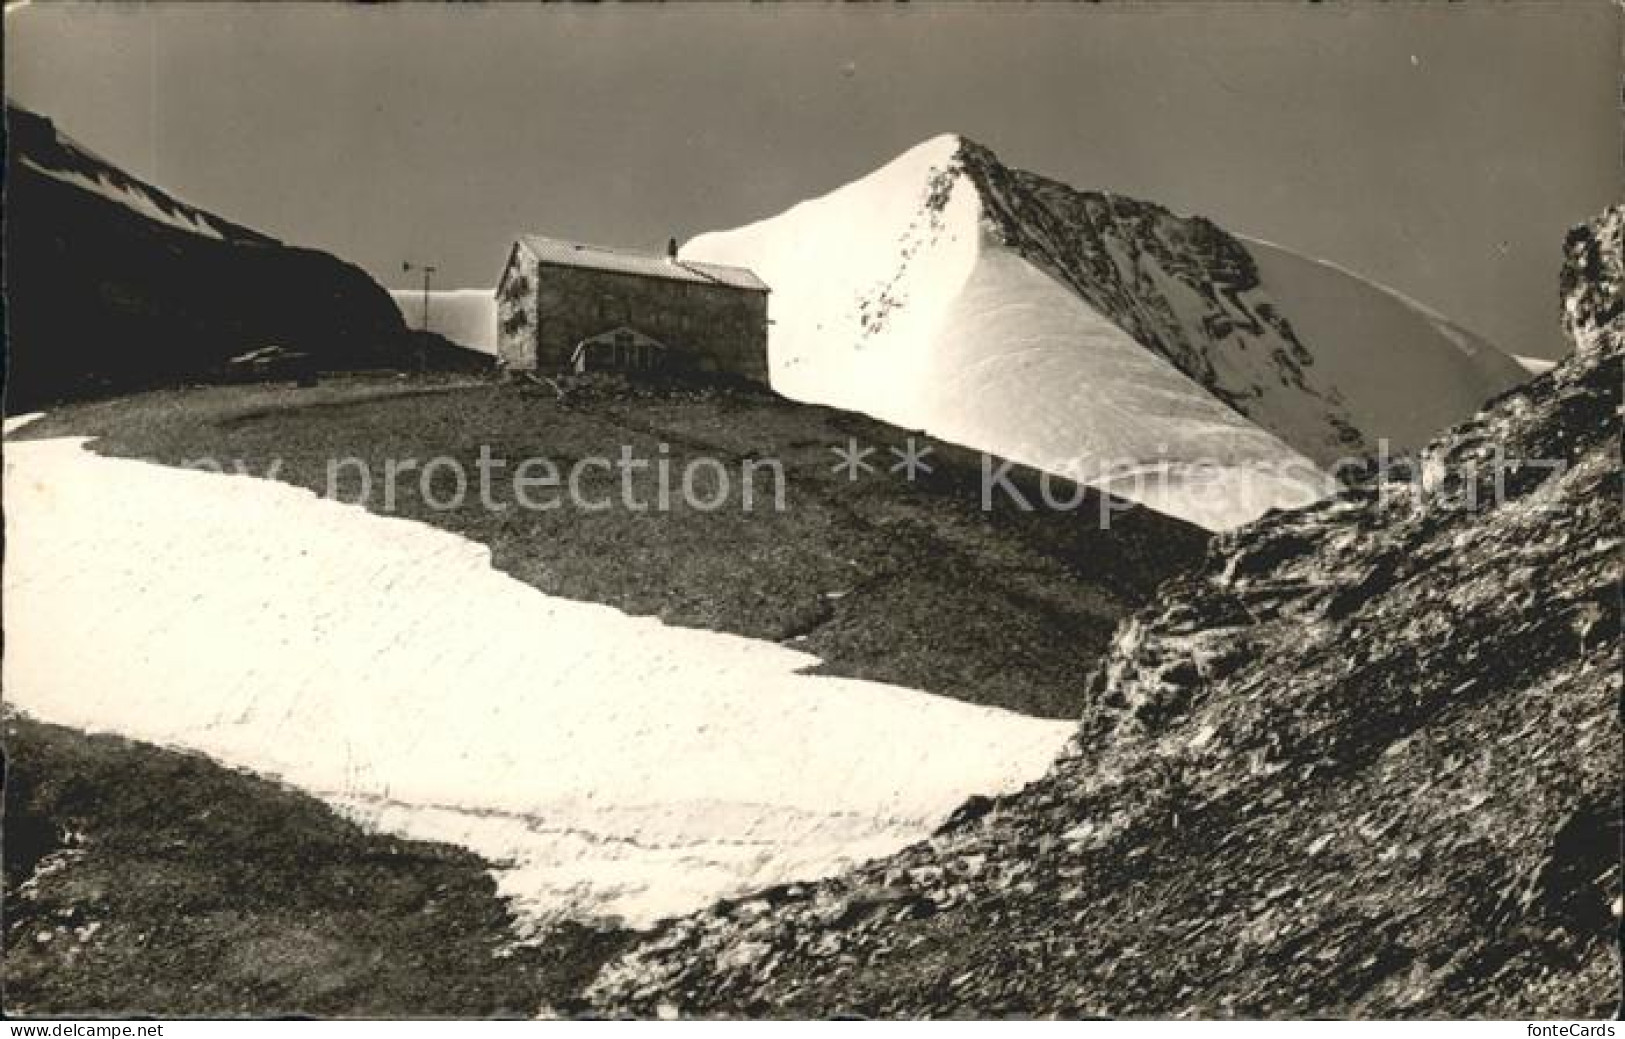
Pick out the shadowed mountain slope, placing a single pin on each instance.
(113, 285)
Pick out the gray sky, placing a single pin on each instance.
(1442, 150)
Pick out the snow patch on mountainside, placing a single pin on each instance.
(131, 196)
(1534, 365)
(613, 765)
(468, 317)
(38, 145)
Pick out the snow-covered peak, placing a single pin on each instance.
(1092, 334)
(933, 151)
(904, 173)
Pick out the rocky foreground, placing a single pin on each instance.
(1363, 762)
(146, 880)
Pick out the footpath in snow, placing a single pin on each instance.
(613, 765)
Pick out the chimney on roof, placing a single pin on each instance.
(671, 250)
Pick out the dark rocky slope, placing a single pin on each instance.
(1111, 250)
(113, 285)
(1364, 762)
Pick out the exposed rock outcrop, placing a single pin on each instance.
(1364, 762)
(1180, 285)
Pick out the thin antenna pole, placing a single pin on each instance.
(428, 270)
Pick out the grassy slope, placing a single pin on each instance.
(141, 880)
(912, 584)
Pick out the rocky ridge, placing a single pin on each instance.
(1180, 285)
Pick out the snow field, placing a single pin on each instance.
(613, 765)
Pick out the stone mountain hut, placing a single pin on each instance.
(565, 306)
